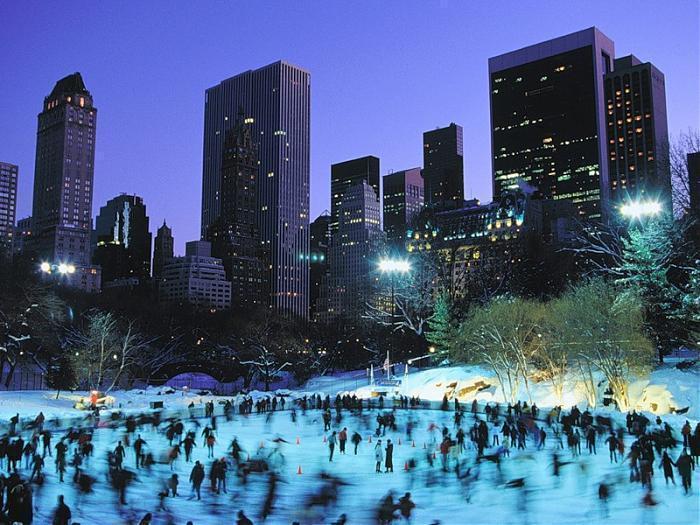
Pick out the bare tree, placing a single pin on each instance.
(157, 356)
(505, 335)
(676, 162)
(413, 298)
(266, 347)
(602, 328)
(103, 352)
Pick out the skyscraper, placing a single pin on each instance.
(8, 206)
(637, 132)
(163, 250)
(63, 174)
(443, 167)
(347, 174)
(234, 234)
(403, 200)
(123, 241)
(548, 119)
(349, 285)
(276, 103)
(318, 263)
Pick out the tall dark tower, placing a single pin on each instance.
(320, 244)
(345, 175)
(443, 167)
(63, 174)
(403, 200)
(123, 241)
(548, 120)
(276, 102)
(637, 132)
(8, 203)
(163, 250)
(234, 235)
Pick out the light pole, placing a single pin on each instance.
(394, 267)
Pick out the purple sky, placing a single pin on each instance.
(382, 72)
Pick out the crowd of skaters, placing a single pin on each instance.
(515, 425)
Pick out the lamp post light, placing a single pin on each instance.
(394, 267)
(60, 270)
(640, 209)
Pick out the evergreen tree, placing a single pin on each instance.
(657, 265)
(440, 331)
(60, 375)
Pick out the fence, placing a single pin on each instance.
(24, 379)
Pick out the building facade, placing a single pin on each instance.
(443, 167)
(163, 250)
(403, 199)
(276, 103)
(350, 281)
(345, 175)
(234, 235)
(318, 258)
(8, 207)
(63, 176)
(548, 120)
(123, 248)
(486, 242)
(693, 163)
(23, 231)
(197, 278)
(637, 132)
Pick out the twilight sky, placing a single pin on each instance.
(382, 72)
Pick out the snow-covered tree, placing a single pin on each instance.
(653, 258)
(30, 317)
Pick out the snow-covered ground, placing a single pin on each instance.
(438, 496)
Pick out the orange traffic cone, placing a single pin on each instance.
(299, 470)
(405, 466)
(370, 438)
(262, 444)
(324, 439)
(434, 456)
(297, 441)
(399, 441)
(424, 447)
(413, 444)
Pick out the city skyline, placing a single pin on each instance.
(149, 142)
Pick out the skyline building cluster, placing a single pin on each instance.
(574, 129)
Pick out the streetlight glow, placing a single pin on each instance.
(637, 209)
(394, 265)
(45, 267)
(63, 268)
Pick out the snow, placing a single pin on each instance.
(667, 387)
(437, 496)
